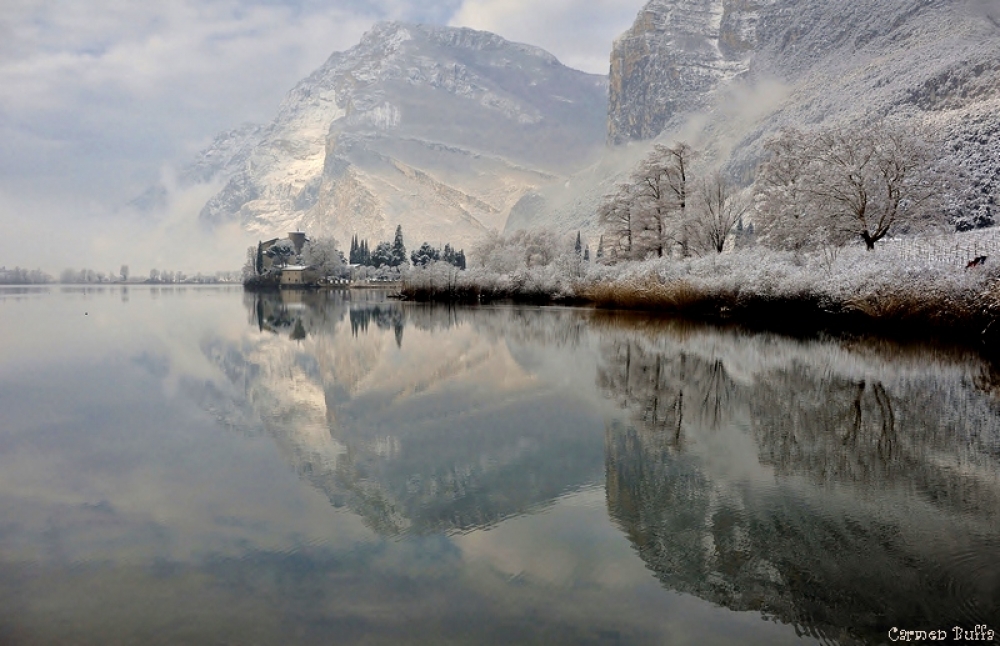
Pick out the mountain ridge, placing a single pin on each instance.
(438, 129)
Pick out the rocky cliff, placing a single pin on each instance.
(673, 57)
(725, 75)
(438, 129)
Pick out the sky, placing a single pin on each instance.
(100, 99)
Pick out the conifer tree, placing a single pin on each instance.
(578, 247)
(398, 250)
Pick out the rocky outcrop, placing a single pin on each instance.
(673, 57)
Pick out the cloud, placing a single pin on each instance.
(578, 32)
(98, 96)
(131, 85)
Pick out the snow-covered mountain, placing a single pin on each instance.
(440, 130)
(727, 74)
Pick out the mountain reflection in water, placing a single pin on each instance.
(420, 435)
(840, 487)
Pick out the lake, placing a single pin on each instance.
(199, 465)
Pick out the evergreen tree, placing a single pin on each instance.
(600, 247)
(450, 256)
(398, 250)
(579, 244)
(353, 255)
(364, 256)
(425, 255)
(586, 253)
(383, 255)
(259, 263)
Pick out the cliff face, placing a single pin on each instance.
(438, 129)
(837, 58)
(673, 57)
(726, 75)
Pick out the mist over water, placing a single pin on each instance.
(201, 465)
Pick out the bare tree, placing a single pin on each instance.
(841, 183)
(616, 215)
(249, 269)
(721, 209)
(661, 189)
(649, 214)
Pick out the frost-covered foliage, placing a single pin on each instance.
(425, 255)
(503, 254)
(849, 181)
(973, 136)
(323, 254)
(651, 214)
(533, 265)
(282, 252)
(850, 281)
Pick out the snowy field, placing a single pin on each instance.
(956, 249)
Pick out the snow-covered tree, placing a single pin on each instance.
(398, 250)
(616, 215)
(662, 184)
(282, 252)
(858, 181)
(323, 254)
(249, 269)
(382, 256)
(453, 257)
(425, 255)
(650, 214)
(720, 208)
(518, 250)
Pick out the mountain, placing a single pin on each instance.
(437, 129)
(725, 75)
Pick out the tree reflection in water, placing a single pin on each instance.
(875, 503)
(840, 487)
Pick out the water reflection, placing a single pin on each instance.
(398, 473)
(825, 487)
(447, 433)
(840, 487)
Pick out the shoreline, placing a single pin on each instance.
(973, 324)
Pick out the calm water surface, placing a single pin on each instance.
(201, 466)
